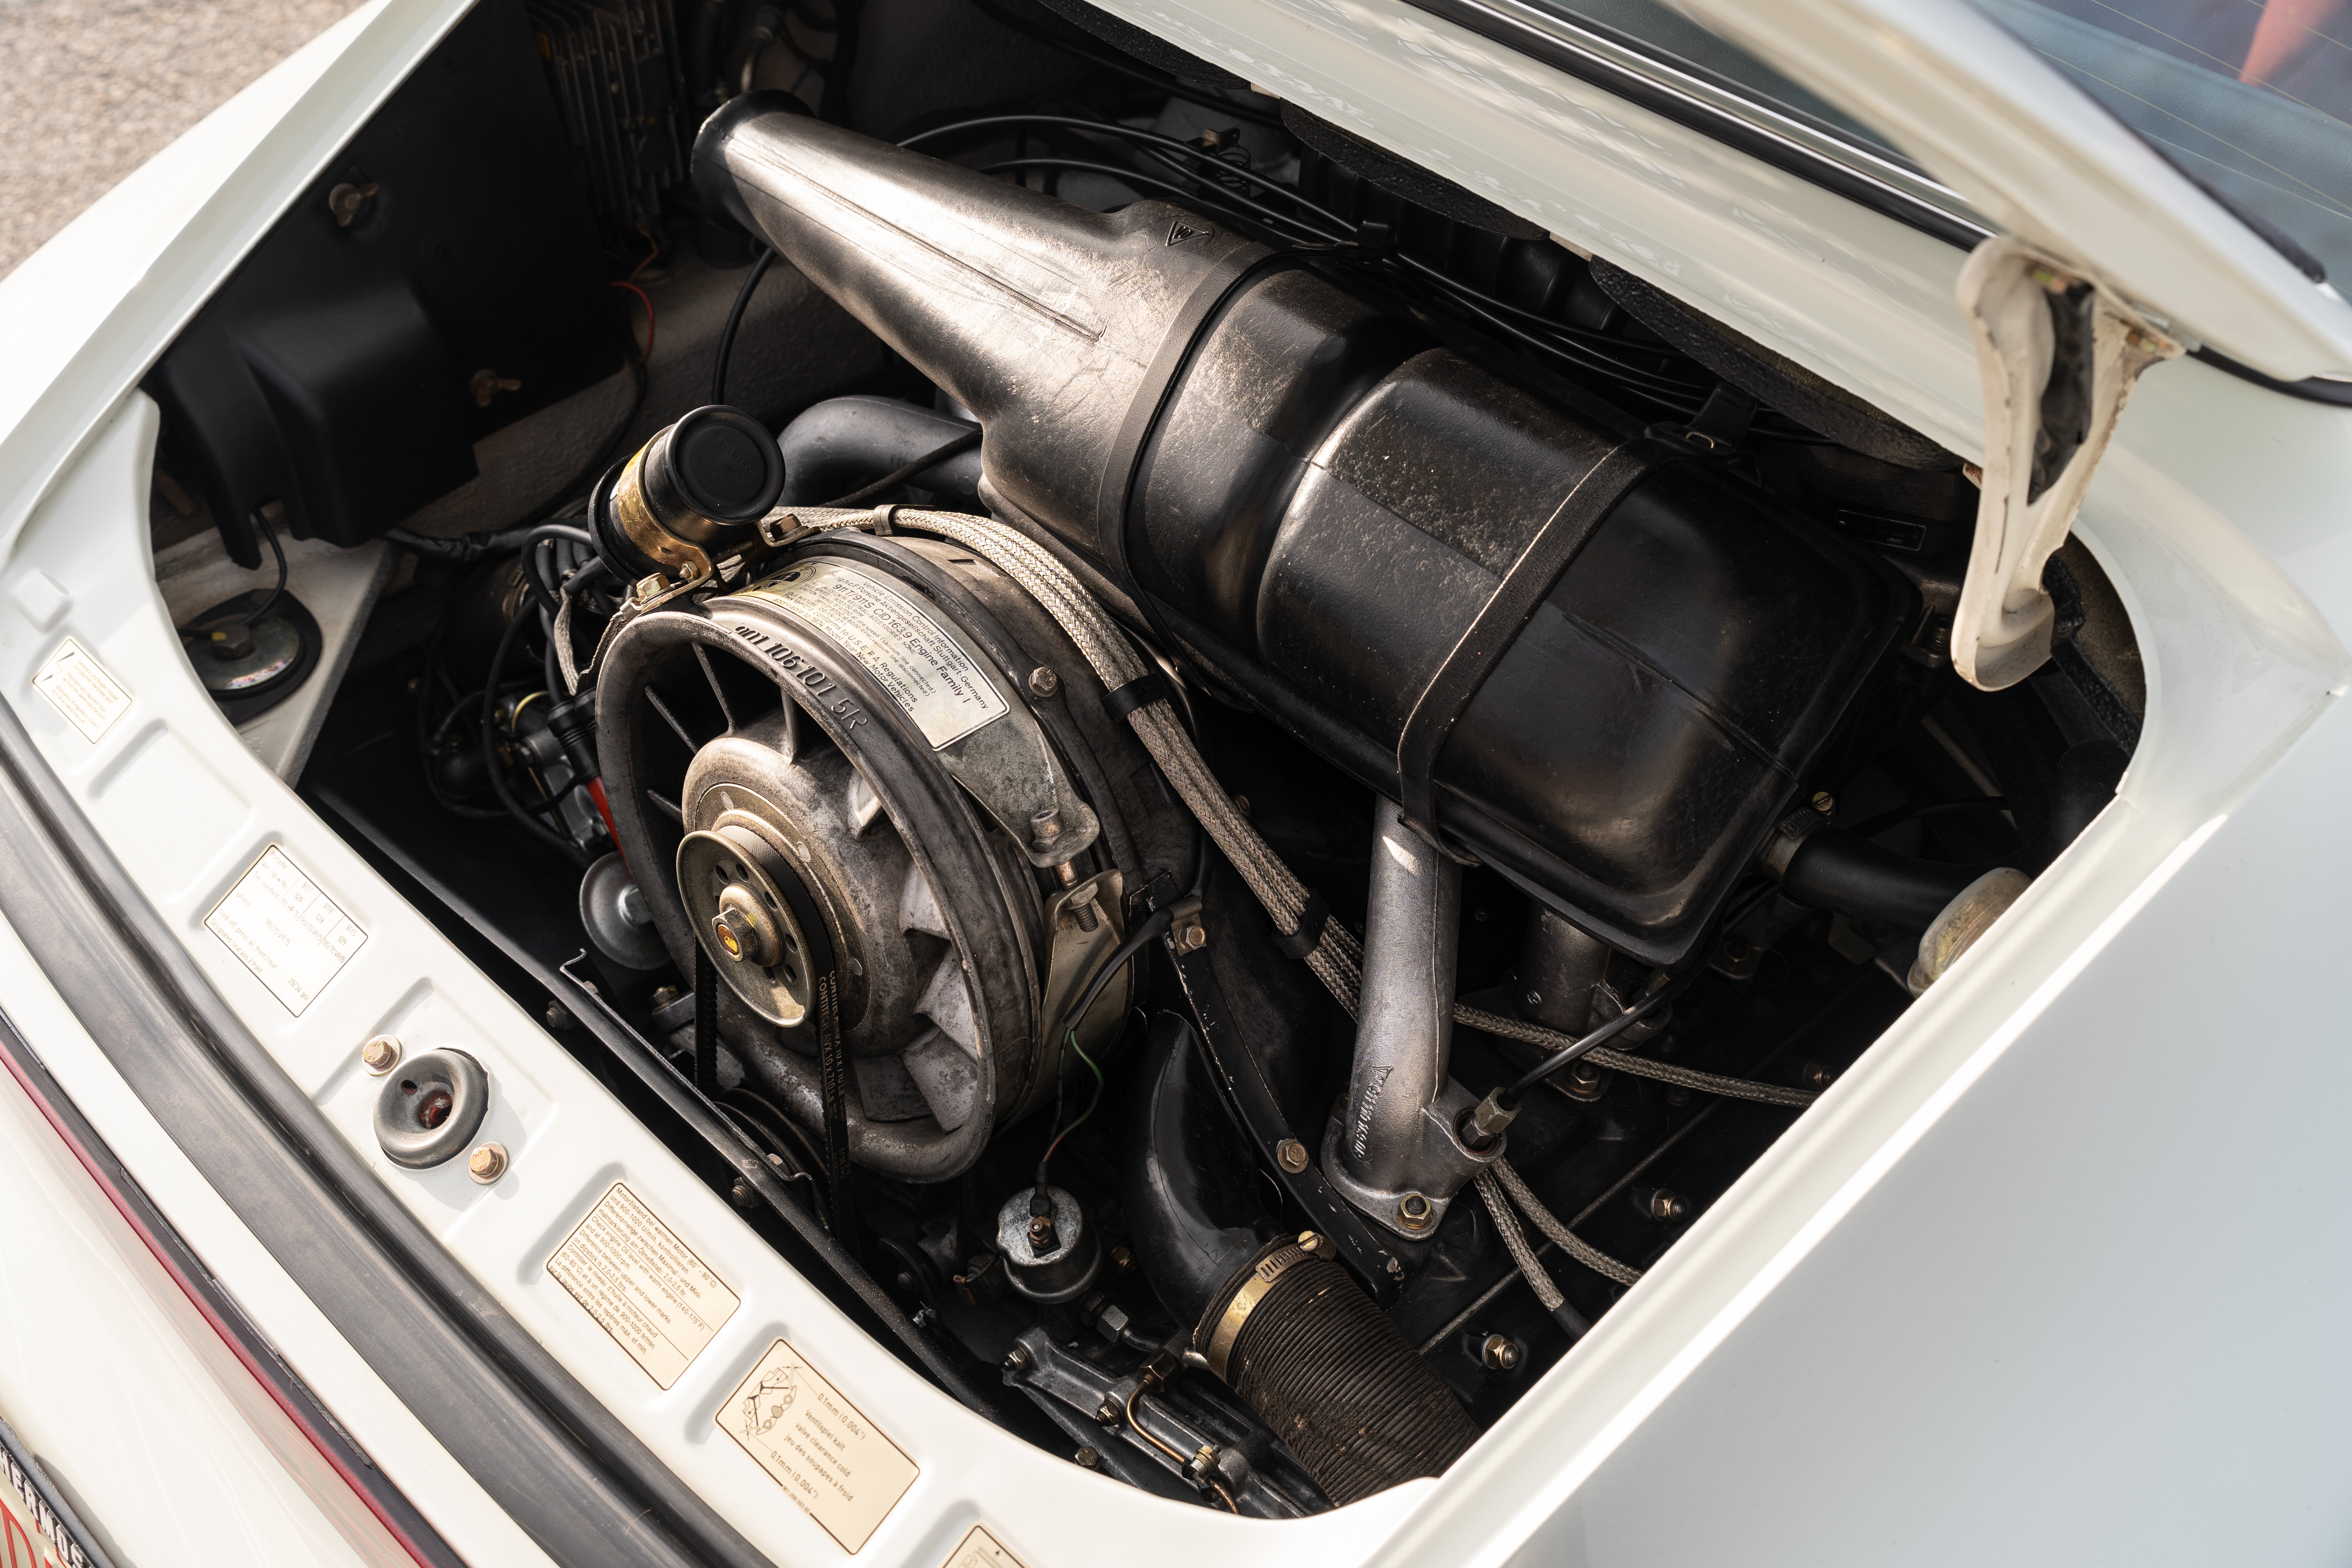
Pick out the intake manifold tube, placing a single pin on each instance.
(1392, 1148)
(1282, 1324)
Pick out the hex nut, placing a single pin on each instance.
(381, 1055)
(1414, 1211)
(487, 1164)
(1291, 1155)
(1044, 682)
(1499, 1353)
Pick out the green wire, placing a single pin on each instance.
(1070, 1042)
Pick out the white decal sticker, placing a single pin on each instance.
(280, 926)
(978, 1548)
(642, 1285)
(78, 687)
(925, 672)
(817, 1445)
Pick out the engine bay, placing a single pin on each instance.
(1220, 785)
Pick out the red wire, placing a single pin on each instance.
(648, 304)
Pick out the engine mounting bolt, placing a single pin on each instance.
(1825, 803)
(1535, 998)
(559, 1017)
(1291, 1155)
(381, 1055)
(1415, 1212)
(1499, 1353)
(1044, 682)
(1045, 825)
(1813, 1074)
(1666, 1204)
(1108, 1412)
(1017, 1359)
(1087, 1459)
(487, 1164)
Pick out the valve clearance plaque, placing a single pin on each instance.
(817, 1445)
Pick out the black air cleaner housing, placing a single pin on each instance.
(1330, 510)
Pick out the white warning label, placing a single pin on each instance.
(78, 687)
(979, 1549)
(817, 1445)
(642, 1285)
(280, 926)
(925, 670)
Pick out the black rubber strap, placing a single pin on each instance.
(1121, 701)
(1312, 919)
(705, 1022)
(1524, 585)
(1115, 494)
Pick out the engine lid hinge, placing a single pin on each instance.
(2059, 355)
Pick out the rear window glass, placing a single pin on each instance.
(2250, 100)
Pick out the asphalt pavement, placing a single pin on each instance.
(90, 90)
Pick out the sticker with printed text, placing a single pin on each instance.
(817, 1445)
(78, 687)
(978, 1548)
(642, 1285)
(279, 925)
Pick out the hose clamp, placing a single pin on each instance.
(1270, 1266)
(1788, 839)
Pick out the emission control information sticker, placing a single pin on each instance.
(280, 926)
(817, 1445)
(642, 1285)
(78, 687)
(927, 672)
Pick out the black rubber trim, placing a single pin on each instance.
(1728, 129)
(219, 1308)
(577, 1481)
(2316, 389)
(1524, 584)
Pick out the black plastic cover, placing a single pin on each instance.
(335, 373)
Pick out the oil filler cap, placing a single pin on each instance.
(725, 464)
(430, 1107)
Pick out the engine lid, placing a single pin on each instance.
(2050, 167)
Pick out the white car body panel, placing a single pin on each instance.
(1898, 1335)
